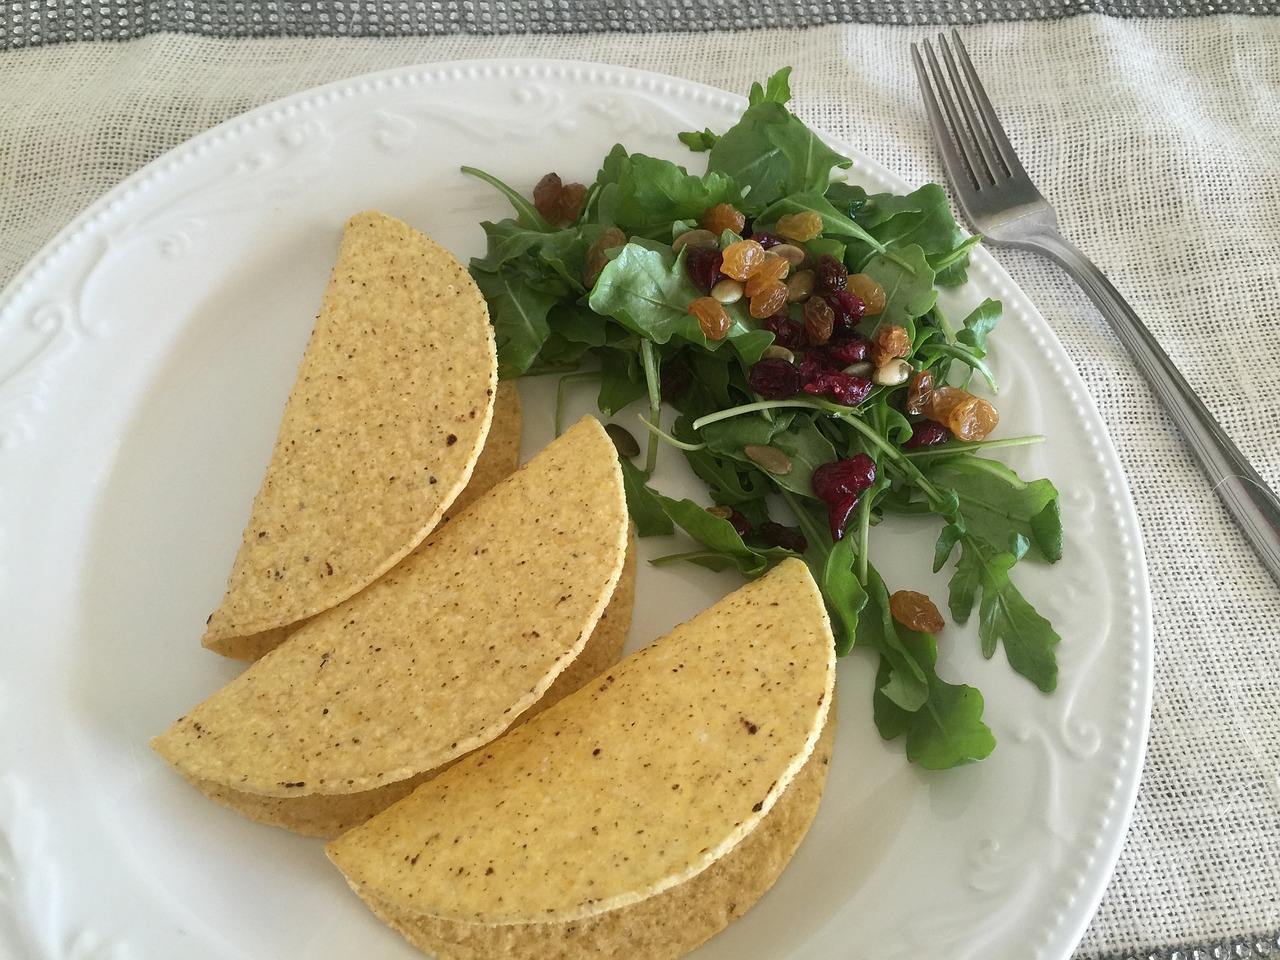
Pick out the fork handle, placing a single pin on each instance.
(1243, 492)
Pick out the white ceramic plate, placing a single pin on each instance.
(144, 357)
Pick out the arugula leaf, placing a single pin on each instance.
(646, 510)
(997, 505)
(777, 89)
(725, 547)
(648, 291)
(844, 594)
(979, 324)
(903, 681)
(769, 153)
(999, 517)
(834, 222)
(621, 382)
(525, 210)
(909, 289)
(947, 730)
(848, 198)
(798, 437)
(699, 140)
(519, 316)
(921, 218)
(1006, 616)
(644, 195)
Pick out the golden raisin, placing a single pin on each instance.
(972, 419)
(597, 257)
(799, 226)
(889, 342)
(819, 321)
(769, 270)
(711, 316)
(741, 258)
(915, 611)
(722, 217)
(558, 202)
(942, 400)
(920, 393)
(769, 300)
(868, 291)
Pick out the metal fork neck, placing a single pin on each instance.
(1242, 490)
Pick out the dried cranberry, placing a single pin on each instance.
(847, 308)
(774, 378)
(786, 332)
(840, 513)
(847, 348)
(925, 433)
(848, 389)
(814, 362)
(775, 534)
(834, 482)
(831, 275)
(767, 240)
(839, 485)
(703, 265)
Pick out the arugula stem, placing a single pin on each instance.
(673, 558)
(758, 405)
(649, 360)
(968, 358)
(948, 331)
(568, 377)
(526, 212)
(864, 536)
(663, 435)
(971, 447)
(999, 470)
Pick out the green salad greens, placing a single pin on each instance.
(804, 442)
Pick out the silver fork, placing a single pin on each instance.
(1001, 203)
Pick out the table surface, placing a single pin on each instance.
(1153, 127)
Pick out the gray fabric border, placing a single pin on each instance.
(1242, 948)
(32, 23)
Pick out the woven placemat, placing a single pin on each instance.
(29, 23)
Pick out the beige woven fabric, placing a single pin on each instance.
(1158, 140)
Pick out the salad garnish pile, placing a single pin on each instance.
(791, 322)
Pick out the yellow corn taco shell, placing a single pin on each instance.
(329, 815)
(637, 816)
(498, 458)
(440, 655)
(380, 433)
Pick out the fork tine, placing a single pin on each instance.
(990, 167)
(956, 148)
(995, 138)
